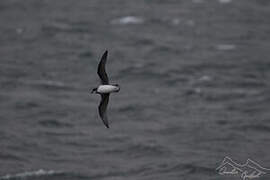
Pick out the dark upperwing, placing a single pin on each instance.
(102, 108)
(101, 69)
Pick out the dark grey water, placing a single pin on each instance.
(195, 79)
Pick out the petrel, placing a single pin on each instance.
(104, 89)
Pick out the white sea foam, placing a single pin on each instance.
(205, 78)
(128, 20)
(40, 172)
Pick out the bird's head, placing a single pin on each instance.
(94, 90)
(118, 87)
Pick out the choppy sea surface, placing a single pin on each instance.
(194, 77)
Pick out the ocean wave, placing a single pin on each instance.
(187, 168)
(128, 20)
(225, 47)
(49, 84)
(220, 1)
(224, 1)
(9, 156)
(38, 173)
(257, 127)
(137, 150)
(54, 123)
(198, 1)
(65, 27)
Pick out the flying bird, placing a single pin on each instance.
(104, 89)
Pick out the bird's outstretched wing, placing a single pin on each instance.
(101, 69)
(103, 107)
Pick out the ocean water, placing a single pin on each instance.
(194, 77)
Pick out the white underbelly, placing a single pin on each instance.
(107, 89)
